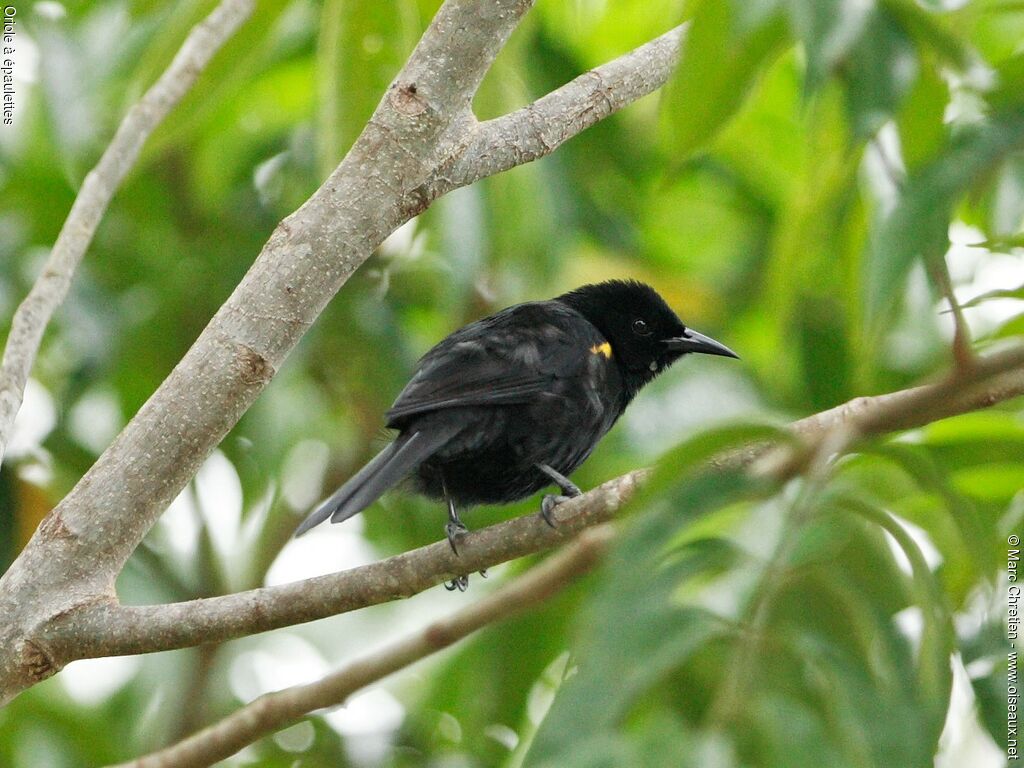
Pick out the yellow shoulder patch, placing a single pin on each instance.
(602, 349)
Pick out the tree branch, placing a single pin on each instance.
(989, 380)
(963, 353)
(280, 708)
(109, 629)
(992, 379)
(34, 313)
(455, 53)
(538, 129)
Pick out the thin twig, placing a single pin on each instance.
(34, 313)
(963, 353)
(280, 708)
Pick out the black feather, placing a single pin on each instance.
(382, 473)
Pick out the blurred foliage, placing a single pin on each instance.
(784, 193)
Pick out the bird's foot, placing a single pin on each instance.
(565, 485)
(453, 529)
(547, 508)
(460, 583)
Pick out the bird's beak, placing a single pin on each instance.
(691, 341)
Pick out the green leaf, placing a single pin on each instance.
(921, 121)
(223, 78)
(719, 445)
(907, 481)
(1004, 223)
(878, 73)
(657, 636)
(937, 640)
(984, 651)
(998, 482)
(1012, 328)
(918, 226)
(999, 293)
(932, 30)
(538, 704)
(742, 623)
(1009, 90)
(993, 27)
(360, 49)
(829, 29)
(977, 429)
(722, 58)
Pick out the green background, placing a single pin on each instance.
(792, 193)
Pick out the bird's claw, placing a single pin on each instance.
(460, 583)
(453, 530)
(547, 508)
(565, 485)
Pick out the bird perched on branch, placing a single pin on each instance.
(515, 402)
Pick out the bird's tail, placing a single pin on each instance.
(384, 471)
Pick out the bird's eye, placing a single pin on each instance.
(640, 328)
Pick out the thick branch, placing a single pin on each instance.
(450, 60)
(111, 629)
(280, 708)
(34, 313)
(303, 265)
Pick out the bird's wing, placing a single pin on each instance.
(505, 359)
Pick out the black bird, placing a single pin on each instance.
(515, 402)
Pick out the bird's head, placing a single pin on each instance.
(645, 335)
